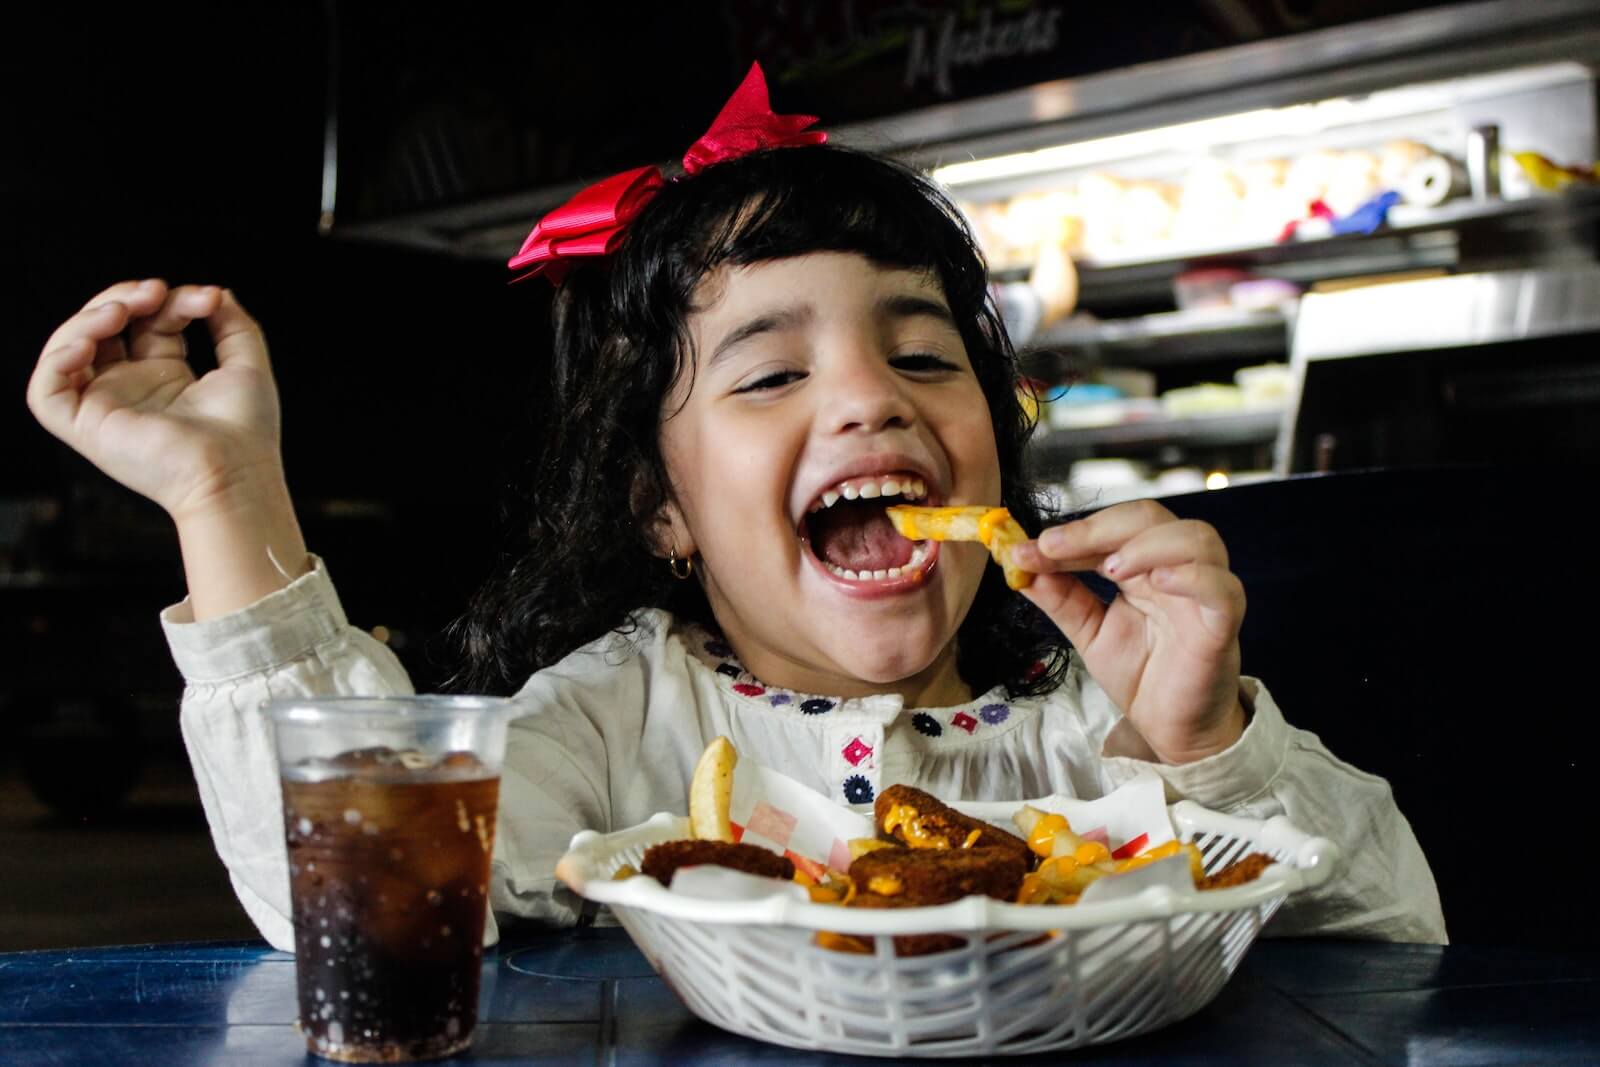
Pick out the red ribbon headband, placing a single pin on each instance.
(593, 222)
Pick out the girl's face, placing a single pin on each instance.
(824, 385)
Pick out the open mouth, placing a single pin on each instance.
(849, 534)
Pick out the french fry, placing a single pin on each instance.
(1197, 868)
(1067, 843)
(994, 528)
(711, 792)
(1026, 818)
(1063, 875)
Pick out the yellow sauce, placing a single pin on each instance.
(905, 818)
(1043, 836)
(1033, 890)
(842, 942)
(972, 839)
(1091, 852)
(885, 885)
(1058, 868)
(992, 520)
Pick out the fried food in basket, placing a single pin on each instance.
(920, 820)
(711, 792)
(1244, 869)
(1070, 863)
(994, 528)
(904, 944)
(926, 876)
(661, 861)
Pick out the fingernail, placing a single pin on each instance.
(1050, 540)
(1112, 564)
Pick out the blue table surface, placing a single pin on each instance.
(588, 997)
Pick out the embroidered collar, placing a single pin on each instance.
(958, 722)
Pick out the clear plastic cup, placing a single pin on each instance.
(389, 812)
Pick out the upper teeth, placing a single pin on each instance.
(909, 488)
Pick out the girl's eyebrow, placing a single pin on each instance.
(898, 306)
(906, 306)
(769, 322)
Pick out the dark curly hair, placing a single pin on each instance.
(584, 562)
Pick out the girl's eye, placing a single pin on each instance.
(776, 380)
(922, 361)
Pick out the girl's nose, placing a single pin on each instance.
(863, 393)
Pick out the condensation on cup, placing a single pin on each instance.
(389, 816)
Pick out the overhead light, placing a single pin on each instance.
(1298, 120)
(1198, 136)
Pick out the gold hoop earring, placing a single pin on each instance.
(674, 559)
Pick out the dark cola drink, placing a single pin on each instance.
(389, 872)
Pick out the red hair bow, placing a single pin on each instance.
(593, 222)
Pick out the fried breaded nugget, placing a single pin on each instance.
(920, 820)
(1242, 870)
(662, 861)
(919, 876)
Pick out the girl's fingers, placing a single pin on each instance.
(111, 317)
(1169, 544)
(145, 294)
(1026, 554)
(236, 336)
(1102, 533)
(1075, 610)
(1217, 592)
(99, 319)
(160, 335)
(55, 389)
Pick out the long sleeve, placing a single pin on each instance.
(1383, 887)
(295, 642)
(581, 733)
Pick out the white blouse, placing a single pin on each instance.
(621, 722)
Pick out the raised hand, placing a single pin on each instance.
(1166, 649)
(115, 384)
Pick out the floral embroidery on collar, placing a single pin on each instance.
(956, 723)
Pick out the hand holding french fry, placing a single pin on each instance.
(1166, 649)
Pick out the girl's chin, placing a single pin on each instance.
(886, 669)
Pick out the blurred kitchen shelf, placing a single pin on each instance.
(1414, 239)
(1168, 337)
(1053, 446)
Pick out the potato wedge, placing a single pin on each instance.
(994, 528)
(711, 792)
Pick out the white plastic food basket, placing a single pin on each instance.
(1025, 978)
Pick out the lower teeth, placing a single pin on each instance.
(919, 556)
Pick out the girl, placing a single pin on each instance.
(749, 362)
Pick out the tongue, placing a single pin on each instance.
(858, 536)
